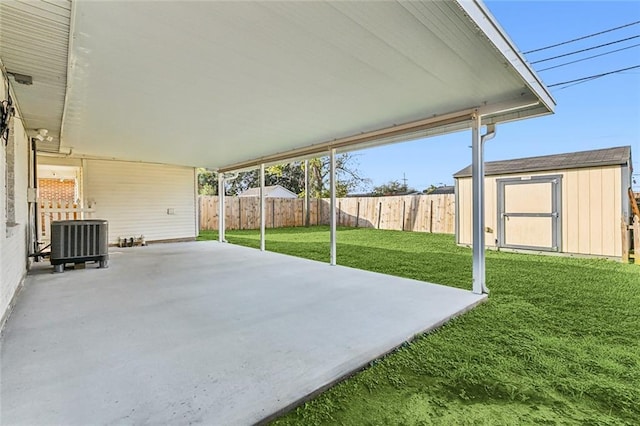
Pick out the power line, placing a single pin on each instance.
(589, 57)
(584, 50)
(581, 38)
(592, 77)
(579, 82)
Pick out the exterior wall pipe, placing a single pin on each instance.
(35, 205)
(477, 182)
(477, 173)
(262, 209)
(491, 133)
(332, 211)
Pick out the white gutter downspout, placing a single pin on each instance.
(477, 181)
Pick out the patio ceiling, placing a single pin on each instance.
(230, 84)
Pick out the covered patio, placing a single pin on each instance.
(209, 332)
(202, 332)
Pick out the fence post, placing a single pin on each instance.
(431, 216)
(404, 212)
(636, 240)
(625, 240)
(273, 212)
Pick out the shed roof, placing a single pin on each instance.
(230, 85)
(571, 160)
(269, 191)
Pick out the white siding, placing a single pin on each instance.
(13, 239)
(35, 42)
(157, 201)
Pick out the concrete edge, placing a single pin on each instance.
(323, 388)
(12, 303)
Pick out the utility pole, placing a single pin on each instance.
(404, 182)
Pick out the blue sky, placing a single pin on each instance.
(601, 113)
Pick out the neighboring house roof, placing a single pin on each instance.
(446, 189)
(572, 160)
(274, 191)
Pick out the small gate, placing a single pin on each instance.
(51, 210)
(529, 214)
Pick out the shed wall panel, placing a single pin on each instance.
(584, 210)
(595, 208)
(570, 209)
(136, 197)
(608, 214)
(617, 214)
(463, 211)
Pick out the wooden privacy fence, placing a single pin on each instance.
(631, 240)
(51, 210)
(421, 213)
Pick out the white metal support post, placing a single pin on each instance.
(477, 178)
(221, 209)
(332, 210)
(307, 200)
(262, 209)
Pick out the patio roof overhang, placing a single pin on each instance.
(230, 85)
(235, 85)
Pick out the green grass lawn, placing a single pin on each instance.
(558, 342)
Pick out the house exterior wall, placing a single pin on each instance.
(591, 209)
(14, 232)
(154, 200)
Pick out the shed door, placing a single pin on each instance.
(529, 213)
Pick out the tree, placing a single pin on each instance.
(393, 187)
(430, 189)
(347, 176)
(291, 176)
(207, 182)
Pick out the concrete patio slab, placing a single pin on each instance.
(201, 333)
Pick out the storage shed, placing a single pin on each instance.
(569, 203)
